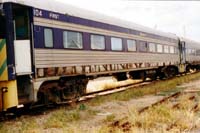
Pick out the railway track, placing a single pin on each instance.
(40, 109)
(175, 103)
(174, 96)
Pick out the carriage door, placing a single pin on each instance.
(182, 55)
(22, 52)
(22, 44)
(182, 52)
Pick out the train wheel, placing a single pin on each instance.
(143, 76)
(121, 76)
(170, 72)
(67, 88)
(138, 75)
(43, 98)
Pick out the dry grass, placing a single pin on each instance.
(156, 88)
(20, 125)
(162, 118)
(156, 119)
(109, 118)
(60, 120)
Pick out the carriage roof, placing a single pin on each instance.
(190, 43)
(53, 5)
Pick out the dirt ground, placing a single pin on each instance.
(104, 113)
(120, 109)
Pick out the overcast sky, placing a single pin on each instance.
(179, 17)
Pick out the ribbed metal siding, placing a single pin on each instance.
(57, 58)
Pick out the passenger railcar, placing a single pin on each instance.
(192, 57)
(49, 51)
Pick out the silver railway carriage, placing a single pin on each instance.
(49, 51)
(192, 53)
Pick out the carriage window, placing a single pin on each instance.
(142, 46)
(48, 38)
(116, 43)
(21, 22)
(72, 40)
(131, 44)
(159, 48)
(166, 49)
(97, 42)
(193, 52)
(152, 47)
(198, 52)
(171, 49)
(176, 50)
(2, 27)
(187, 51)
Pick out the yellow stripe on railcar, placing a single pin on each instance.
(3, 61)
(8, 89)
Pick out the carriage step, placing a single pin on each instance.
(23, 99)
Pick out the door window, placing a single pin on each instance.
(2, 27)
(48, 38)
(21, 23)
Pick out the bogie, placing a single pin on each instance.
(61, 90)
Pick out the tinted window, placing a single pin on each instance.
(97, 42)
(142, 46)
(116, 43)
(21, 23)
(131, 44)
(152, 47)
(48, 38)
(72, 40)
(2, 27)
(159, 48)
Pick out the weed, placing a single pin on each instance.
(82, 107)
(156, 119)
(92, 112)
(58, 119)
(109, 118)
(156, 88)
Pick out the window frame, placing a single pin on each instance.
(176, 50)
(154, 49)
(139, 47)
(166, 47)
(198, 52)
(112, 45)
(171, 49)
(128, 46)
(47, 28)
(104, 42)
(158, 49)
(81, 33)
